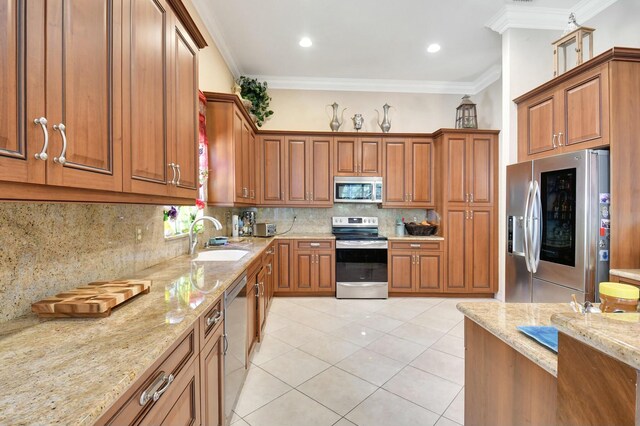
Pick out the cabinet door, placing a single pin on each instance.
(586, 110)
(212, 376)
(537, 127)
(252, 167)
(401, 270)
(282, 271)
(184, 108)
(481, 168)
(84, 92)
(23, 98)
(272, 154)
(246, 161)
(262, 301)
(456, 222)
(480, 249)
(456, 147)
(252, 313)
(395, 162)
(145, 115)
(429, 273)
(303, 270)
(325, 265)
(320, 178)
(370, 155)
(346, 157)
(297, 172)
(420, 174)
(240, 152)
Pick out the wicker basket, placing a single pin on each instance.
(420, 230)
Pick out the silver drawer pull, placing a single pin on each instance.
(270, 269)
(214, 319)
(314, 244)
(173, 167)
(42, 155)
(155, 391)
(415, 245)
(179, 174)
(61, 128)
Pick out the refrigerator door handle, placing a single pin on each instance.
(527, 227)
(536, 227)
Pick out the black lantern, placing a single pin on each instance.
(466, 116)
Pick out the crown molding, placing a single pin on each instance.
(383, 85)
(544, 18)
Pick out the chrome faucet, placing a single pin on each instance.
(193, 239)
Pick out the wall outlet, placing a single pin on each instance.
(138, 234)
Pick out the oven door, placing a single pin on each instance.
(361, 269)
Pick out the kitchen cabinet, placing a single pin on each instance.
(283, 251)
(261, 300)
(54, 132)
(309, 179)
(570, 116)
(252, 308)
(408, 173)
(416, 267)
(268, 261)
(272, 169)
(212, 366)
(232, 153)
(314, 268)
(624, 280)
(358, 156)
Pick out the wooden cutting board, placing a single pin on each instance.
(93, 300)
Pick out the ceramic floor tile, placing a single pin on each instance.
(241, 422)
(344, 422)
(323, 322)
(399, 312)
(419, 303)
(458, 330)
(379, 322)
(455, 411)
(275, 322)
(329, 349)
(357, 334)
(451, 345)
(293, 409)
(438, 320)
(295, 367)
(442, 365)
(371, 366)
(428, 391)
(268, 349)
(385, 409)
(396, 348)
(297, 334)
(235, 417)
(344, 312)
(259, 389)
(337, 390)
(443, 421)
(424, 336)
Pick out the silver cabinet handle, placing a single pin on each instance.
(410, 197)
(253, 194)
(471, 197)
(553, 141)
(466, 214)
(61, 128)
(270, 269)
(466, 198)
(42, 155)
(214, 319)
(314, 244)
(282, 196)
(415, 245)
(262, 284)
(156, 389)
(225, 346)
(173, 167)
(471, 215)
(311, 196)
(559, 138)
(179, 174)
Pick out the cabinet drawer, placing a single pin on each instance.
(310, 244)
(417, 245)
(210, 321)
(131, 408)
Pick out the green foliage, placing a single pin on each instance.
(256, 92)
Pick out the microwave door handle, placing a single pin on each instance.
(526, 227)
(536, 225)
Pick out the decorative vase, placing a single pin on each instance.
(385, 126)
(335, 124)
(358, 121)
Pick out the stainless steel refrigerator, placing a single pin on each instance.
(557, 227)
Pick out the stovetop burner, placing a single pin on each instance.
(356, 228)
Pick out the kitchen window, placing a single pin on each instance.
(178, 219)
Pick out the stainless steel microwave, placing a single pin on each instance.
(357, 189)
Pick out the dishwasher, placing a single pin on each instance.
(235, 342)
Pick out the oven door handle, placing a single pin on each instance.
(364, 284)
(362, 244)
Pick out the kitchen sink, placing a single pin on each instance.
(220, 255)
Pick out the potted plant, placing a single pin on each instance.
(256, 92)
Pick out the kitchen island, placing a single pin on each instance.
(511, 379)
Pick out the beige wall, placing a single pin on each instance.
(215, 75)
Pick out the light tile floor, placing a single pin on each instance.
(336, 362)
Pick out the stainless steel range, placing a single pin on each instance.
(361, 258)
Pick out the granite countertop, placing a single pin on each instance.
(501, 320)
(307, 236)
(414, 238)
(617, 335)
(632, 274)
(69, 371)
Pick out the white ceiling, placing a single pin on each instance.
(375, 45)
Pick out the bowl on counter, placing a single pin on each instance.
(420, 230)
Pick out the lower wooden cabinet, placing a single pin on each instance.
(261, 301)
(415, 267)
(314, 268)
(252, 313)
(283, 251)
(212, 378)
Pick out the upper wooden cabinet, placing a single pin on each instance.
(271, 167)
(308, 179)
(358, 156)
(408, 172)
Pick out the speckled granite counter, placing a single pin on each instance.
(414, 238)
(617, 335)
(632, 274)
(68, 371)
(501, 320)
(307, 236)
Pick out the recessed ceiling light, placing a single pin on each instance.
(433, 48)
(305, 42)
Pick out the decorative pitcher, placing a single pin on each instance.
(385, 126)
(335, 123)
(358, 121)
